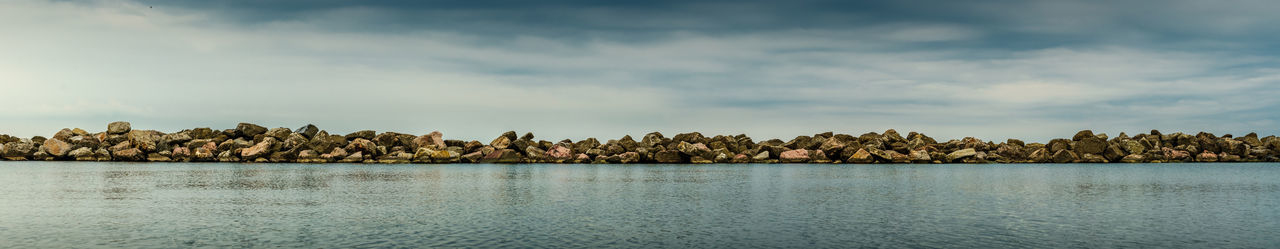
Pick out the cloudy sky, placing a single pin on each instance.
(572, 69)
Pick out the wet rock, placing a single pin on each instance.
(118, 128)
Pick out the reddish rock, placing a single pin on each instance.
(794, 156)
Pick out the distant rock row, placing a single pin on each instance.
(308, 144)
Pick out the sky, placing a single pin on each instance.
(990, 69)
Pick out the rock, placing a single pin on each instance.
(175, 138)
(133, 154)
(559, 152)
(18, 150)
(81, 152)
(264, 148)
(1082, 135)
(1132, 147)
(118, 127)
(533, 152)
(959, 154)
(920, 156)
(1207, 157)
(741, 158)
(697, 149)
(629, 157)
(763, 155)
(356, 157)
(280, 133)
(157, 157)
(56, 147)
(1133, 158)
(1091, 158)
(861, 156)
(1090, 145)
(446, 156)
(364, 134)
(1064, 156)
(250, 130)
(181, 153)
(794, 156)
(361, 145)
(668, 156)
(309, 131)
(832, 145)
(502, 156)
(203, 154)
(502, 142)
(145, 140)
(433, 140)
(1058, 144)
(1176, 155)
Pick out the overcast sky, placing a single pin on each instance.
(574, 69)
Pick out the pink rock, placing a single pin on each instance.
(559, 152)
(794, 156)
(434, 139)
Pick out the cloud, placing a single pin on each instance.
(991, 69)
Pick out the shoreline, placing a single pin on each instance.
(250, 143)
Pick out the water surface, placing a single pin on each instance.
(79, 204)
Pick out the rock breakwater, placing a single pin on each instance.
(308, 144)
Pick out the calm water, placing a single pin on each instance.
(590, 206)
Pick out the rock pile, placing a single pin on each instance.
(308, 144)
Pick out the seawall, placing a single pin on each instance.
(308, 144)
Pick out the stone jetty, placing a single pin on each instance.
(308, 144)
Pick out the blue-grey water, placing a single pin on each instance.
(79, 205)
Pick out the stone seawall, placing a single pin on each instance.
(308, 144)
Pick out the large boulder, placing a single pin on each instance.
(502, 142)
(559, 152)
(1082, 135)
(861, 156)
(18, 150)
(56, 147)
(118, 127)
(960, 154)
(262, 149)
(145, 140)
(1090, 145)
(82, 154)
(434, 140)
(250, 130)
(280, 133)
